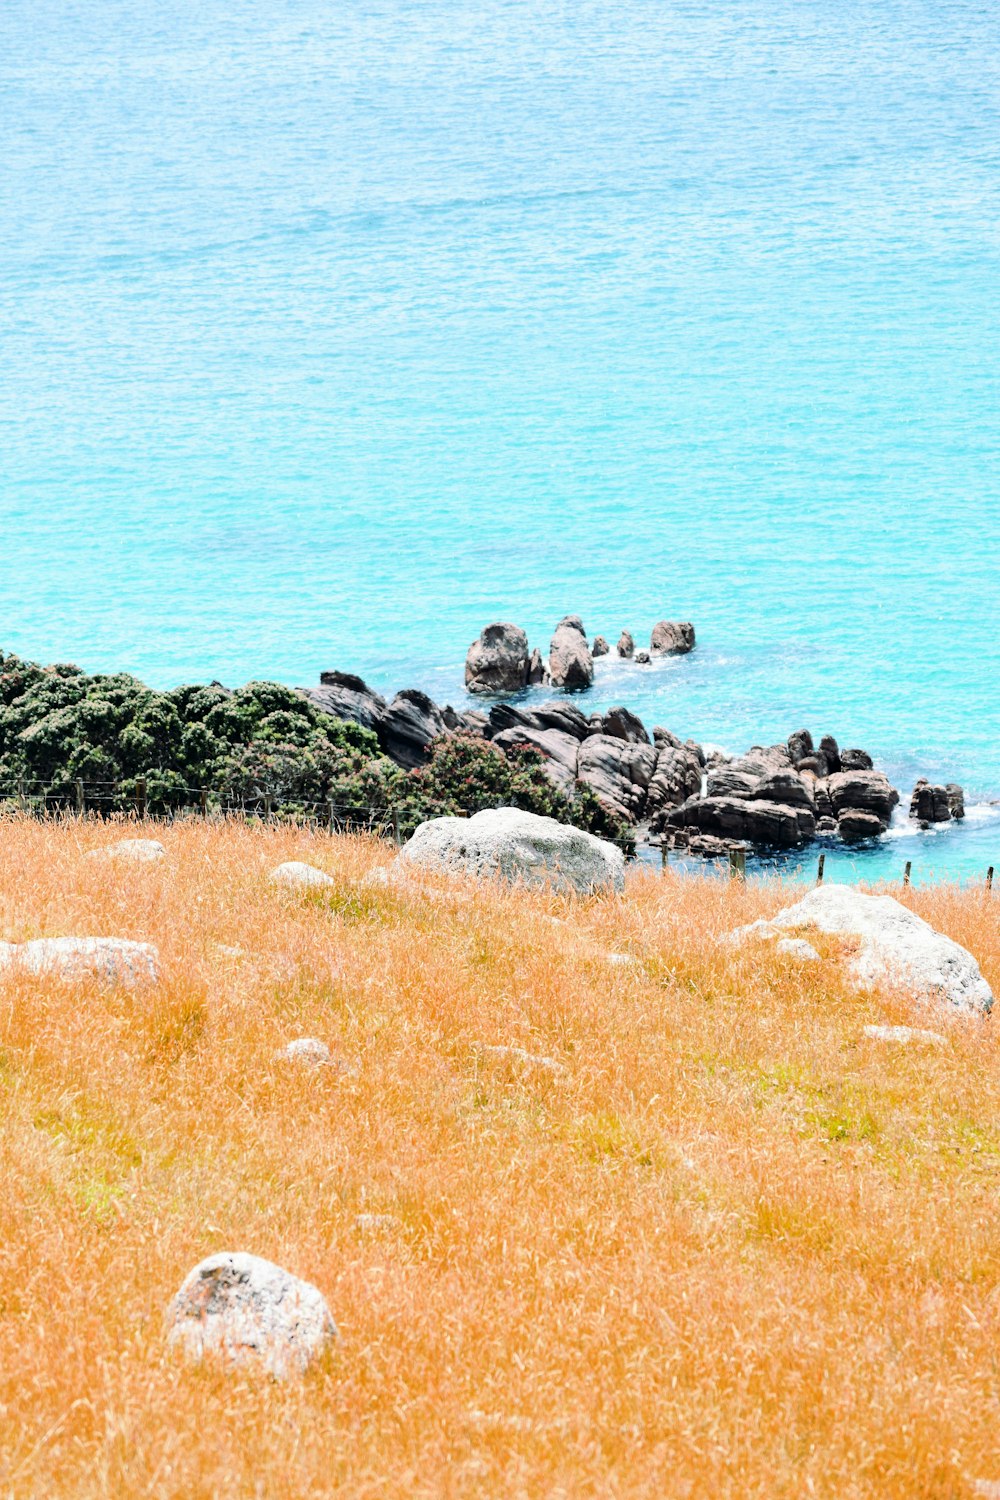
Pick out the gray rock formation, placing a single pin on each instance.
(853, 825)
(347, 697)
(246, 1310)
(619, 771)
(571, 664)
(295, 873)
(561, 751)
(622, 724)
(956, 800)
(676, 777)
(498, 661)
(309, 1051)
(898, 948)
(537, 670)
(929, 803)
(626, 645)
(600, 647)
(518, 847)
(557, 714)
(855, 760)
(642, 658)
(132, 851)
(672, 638)
(409, 723)
(862, 791)
(115, 961)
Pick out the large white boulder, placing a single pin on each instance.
(249, 1311)
(115, 960)
(295, 872)
(520, 847)
(898, 948)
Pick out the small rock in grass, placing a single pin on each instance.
(518, 1054)
(295, 873)
(375, 1223)
(249, 1311)
(115, 960)
(307, 1050)
(623, 960)
(798, 948)
(142, 851)
(903, 1034)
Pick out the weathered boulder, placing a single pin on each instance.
(956, 799)
(729, 781)
(622, 724)
(347, 697)
(897, 947)
(295, 872)
(600, 647)
(786, 787)
(565, 717)
(112, 960)
(865, 791)
(757, 821)
(247, 1310)
(618, 771)
(642, 658)
(931, 804)
(307, 1050)
(830, 751)
(675, 778)
(474, 722)
(571, 664)
(800, 745)
(537, 670)
(133, 851)
(672, 638)
(409, 723)
(498, 661)
(519, 847)
(560, 750)
(854, 825)
(855, 760)
(626, 645)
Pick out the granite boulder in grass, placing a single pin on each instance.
(521, 848)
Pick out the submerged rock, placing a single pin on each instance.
(246, 1310)
(498, 661)
(519, 847)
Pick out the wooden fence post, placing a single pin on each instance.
(906, 872)
(737, 864)
(395, 827)
(140, 799)
(989, 878)
(203, 801)
(81, 799)
(819, 869)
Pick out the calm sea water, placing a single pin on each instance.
(330, 332)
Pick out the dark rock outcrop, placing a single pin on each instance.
(626, 645)
(853, 825)
(855, 760)
(537, 670)
(600, 647)
(742, 818)
(641, 658)
(672, 638)
(561, 751)
(936, 804)
(677, 777)
(618, 771)
(800, 745)
(345, 696)
(862, 791)
(557, 714)
(622, 724)
(498, 661)
(956, 799)
(409, 723)
(571, 664)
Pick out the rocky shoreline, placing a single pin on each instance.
(673, 792)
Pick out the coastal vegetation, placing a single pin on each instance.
(601, 1205)
(263, 741)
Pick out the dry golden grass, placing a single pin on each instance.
(729, 1249)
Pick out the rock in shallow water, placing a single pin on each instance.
(571, 664)
(247, 1310)
(898, 948)
(519, 847)
(498, 661)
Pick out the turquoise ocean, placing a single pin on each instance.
(330, 332)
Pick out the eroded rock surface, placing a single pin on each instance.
(519, 847)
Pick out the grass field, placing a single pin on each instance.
(727, 1247)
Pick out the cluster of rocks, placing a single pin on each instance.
(500, 660)
(703, 801)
